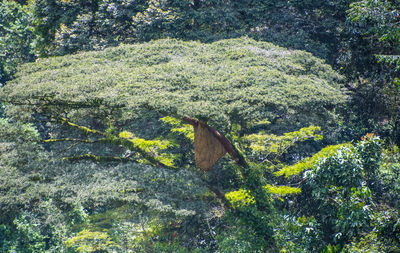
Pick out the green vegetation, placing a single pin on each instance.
(108, 108)
(15, 38)
(226, 82)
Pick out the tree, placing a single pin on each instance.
(68, 26)
(15, 38)
(129, 110)
(369, 57)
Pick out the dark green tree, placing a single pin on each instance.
(68, 26)
(369, 57)
(16, 38)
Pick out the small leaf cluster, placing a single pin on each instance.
(178, 127)
(282, 190)
(271, 147)
(240, 198)
(87, 241)
(309, 162)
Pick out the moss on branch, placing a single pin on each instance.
(118, 141)
(72, 140)
(97, 158)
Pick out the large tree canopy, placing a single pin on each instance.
(121, 109)
(229, 81)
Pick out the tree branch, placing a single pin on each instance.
(113, 139)
(72, 140)
(99, 158)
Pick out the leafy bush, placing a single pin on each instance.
(87, 241)
(302, 234)
(369, 57)
(335, 189)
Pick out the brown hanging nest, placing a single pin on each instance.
(207, 149)
(210, 145)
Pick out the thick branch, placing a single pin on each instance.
(82, 128)
(219, 195)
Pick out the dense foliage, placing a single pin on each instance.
(68, 26)
(370, 59)
(100, 100)
(15, 38)
(226, 82)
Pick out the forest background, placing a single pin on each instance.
(100, 99)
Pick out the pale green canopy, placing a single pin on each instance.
(234, 80)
